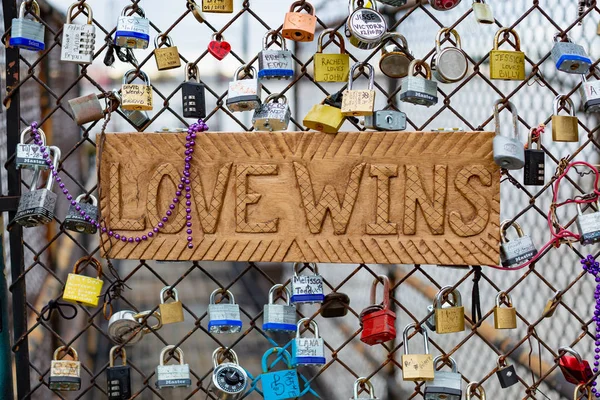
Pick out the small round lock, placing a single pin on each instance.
(365, 27)
(443, 5)
(450, 63)
(365, 383)
(395, 57)
(475, 387)
(229, 380)
(124, 327)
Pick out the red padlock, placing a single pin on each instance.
(575, 369)
(443, 5)
(378, 321)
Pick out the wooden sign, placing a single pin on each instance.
(354, 197)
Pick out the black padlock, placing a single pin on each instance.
(118, 379)
(335, 305)
(535, 162)
(192, 94)
(507, 375)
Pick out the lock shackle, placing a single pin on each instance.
(165, 39)
(530, 140)
(56, 154)
(504, 227)
(141, 74)
(279, 287)
(312, 323)
(302, 5)
(386, 291)
(67, 350)
(249, 72)
(283, 353)
(424, 332)
(28, 130)
(582, 388)
(474, 386)
(438, 301)
(413, 65)
(503, 295)
(566, 101)
(580, 212)
(501, 362)
(365, 383)
(396, 35)
(331, 32)
(139, 317)
(478, 1)
(220, 352)
(313, 266)
(275, 97)
(136, 10)
(191, 72)
(87, 7)
(173, 294)
(453, 32)
(85, 196)
(35, 9)
(510, 31)
(111, 355)
(352, 5)
(276, 35)
(224, 293)
(558, 35)
(95, 263)
(452, 362)
(371, 75)
(571, 351)
(515, 117)
(175, 349)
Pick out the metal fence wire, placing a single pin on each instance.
(38, 87)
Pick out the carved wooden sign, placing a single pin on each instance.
(354, 197)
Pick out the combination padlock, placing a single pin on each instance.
(193, 96)
(28, 34)
(446, 385)
(244, 93)
(127, 327)
(84, 289)
(565, 128)
(517, 250)
(133, 31)
(307, 288)
(506, 373)
(590, 94)
(299, 26)
(378, 321)
(30, 155)
(273, 114)
(136, 96)
(395, 56)
(508, 151)
(417, 367)
(331, 67)
(78, 39)
(275, 64)
(504, 317)
(279, 385)
(588, 225)
(570, 57)
(507, 64)
(575, 369)
(166, 57)
(174, 375)
(172, 312)
(386, 120)
(335, 305)
(443, 5)
(449, 319)
(535, 162)
(229, 380)
(279, 317)
(416, 89)
(308, 351)
(367, 387)
(82, 216)
(365, 26)
(65, 375)
(324, 118)
(483, 12)
(359, 102)
(224, 317)
(449, 64)
(118, 379)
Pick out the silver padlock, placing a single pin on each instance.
(368, 386)
(174, 375)
(78, 39)
(588, 225)
(229, 380)
(37, 206)
(133, 31)
(395, 56)
(518, 250)
(307, 288)
(279, 317)
(27, 34)
(30, 155)
(570, 57)
(81, 217)
(386, 120)
(88, 108)
(65, 375)
(244, 94)
(483, 12)
(365, 27)
(138, 118)
(416, 89)
(275, 64)
(308, 351)
(450, 63)
(223, 317)
(273, 115)
(446, 385)
(509, 152)
(126, 328)
(590, 94)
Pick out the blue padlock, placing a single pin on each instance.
(308, 351)
(275, 64)
(224, 317)
(279, 385)
(307, 288)
(28, 34)
(570, 57)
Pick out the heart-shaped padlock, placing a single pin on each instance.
(219, 48)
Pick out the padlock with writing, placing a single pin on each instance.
(193, 96)
(138, 118)
(357, 102)
(133, 31)
(475, 387)
(507, 64)
(82, 215)
(275, 64)
(570, 57)
(28, 34)
(172, 312)
(173, 375)
(244, 93)
(78, 39)
(279, 317)
(30, 155)
(517, 250)
(331, 67)
(430, 322)
(506, 373)
(367, 387)
(118, 379)
(136, 96)
(219, 47)
(166, 57)
(299, 26)
(279, 385)
(273, 114)
(229, 380)
(365, 26)
(483, 12)
(324, 117)
(127, 327)
(335, 305)
(575, 369)
(417, 367)
(508, 151)
(217, 6)
(416, 89)
(443, 5)
(308, 351)
(449, 319)
(395, 56)
(504, 317)
(446, 385)
(386, 120)
(65, 375)
(84, 289)
(224, 317)
(535, 162)
(307, 288)
(588, 225)
(378, 321)
(590, 94)
(565, 128)
(449, 64)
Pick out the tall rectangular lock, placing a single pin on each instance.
(193, 94)
(78, 40)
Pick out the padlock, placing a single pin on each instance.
(507, 64)
(449, 319)
(378, 321)
(395, 57)
(508, 151)
(417, 367)
(506, 373)
(133, 31)
(118, 379)
(308, 351)
(551, 305)
(335, 305)
(365, 26)
(174, 375)
(483, 12)
(386, 120)
(324, 118)
(575, 369)
(273, 114)
(170, 313)
(299, 26)
(565, 128)
(82, 216)
(223, 317)
(368, 386)
(193, 96)
(135, 96)
(219, 47)
(28, 34)
(65, 375)
(450, 63)
(331, 67)
(229, 380)
(307, 288)
(359, 102)
(535, 162)
(570, 57)
(279, 317)
(590, 94)
(504, 317)
(244, 94)
(582, 388)
(443, 5)
(279, 385)
(430, 321)
(416, 89)
(446, 385)
(78, 39)
(37, 206)
(588, 225)
(88, 108)
(217, 6)
(138, 118)
(517, 250)
(166, 57)
(471, 387)
(275, 64)
(125, 327)
(30, 155)
(84, 289)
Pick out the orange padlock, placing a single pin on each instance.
(300, 26)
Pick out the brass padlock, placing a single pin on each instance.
(136, 97)
(65, 375)
(166, 57)
(449, 319)
(217, 6)
(324, 118)
(551, 305)
(331, 67)
(170, 313)
(299, 26)
(395, 57)
(565, 128)
(507, 64)
(359, 102)
(417, 367)
(505, 317)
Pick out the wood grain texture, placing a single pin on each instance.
(354, 197)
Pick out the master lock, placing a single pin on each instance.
(365, 27)
(335, 305)
(446, 385)
(279, 317)
(449, 319)
(590, 94)
(28, 34)
(229, 380)
(133, 31)
(136, 96)
(378, 321)
(475, 387)
(224, 317)
(174, 375)
(575, 369)
(570, 57)
(273, 115)
(78, 40)
(450, 63)
(118, 379)
(508, 151)
(279, 385)
(30, 155)
(506, 373)
(166, 57)
(443, 5)
(359, 102)
(504, 317)
(308, 351)
(483, 12)
(368, 387)
(244, 93)
(193, 93)
(82, 216)
(416, 89)
(299, 26)
(507, 64)
(386, 120)
(535, 162)
(275, 64)
(565, 128)
(307, 288)
(517, 250)
(65, 375)
(588, 225)
(331, 67)
(395, 56)
(325, 118)
(126, 328)
(172, 312)
(417, 367)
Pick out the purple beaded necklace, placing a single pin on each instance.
(591, 266)
(193, 129)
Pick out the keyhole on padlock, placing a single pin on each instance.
(574, 67)
(80, 228)
(389, 119)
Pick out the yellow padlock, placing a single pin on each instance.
(84, 289)
(324, 118)
(134, 96)
(507, 64)
(331, 67)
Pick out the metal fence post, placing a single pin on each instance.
(6, 382)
